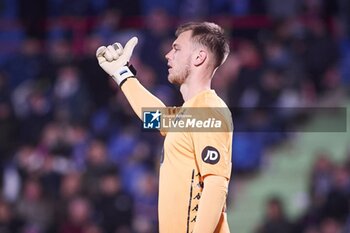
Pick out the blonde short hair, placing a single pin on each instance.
(209, 35)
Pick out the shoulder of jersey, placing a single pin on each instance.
(210, 99)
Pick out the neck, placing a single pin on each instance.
(194, 85)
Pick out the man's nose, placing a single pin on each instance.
(167, 56)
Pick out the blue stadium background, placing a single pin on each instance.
(74, 159)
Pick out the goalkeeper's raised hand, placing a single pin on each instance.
(114, 60)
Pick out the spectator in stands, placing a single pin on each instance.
(100, 90)
(128, 9)
(275, 220)
(336, 205)
(38, 115)
(78, 137)
(97, 164)
(225, 76)
(320, 54)
(78, 216)
(8, 122)
(114, 206)
(108, 25)
(330, 225)
(321, 179)
(9, 221)
(156, 40)
(146, 199)
(320, 184)
(59, 53)
(34, 208)
(70, 188)
(245, 86)
(69, 96)
(27, 64)
(33, 17)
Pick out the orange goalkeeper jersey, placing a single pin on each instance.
(187, 158)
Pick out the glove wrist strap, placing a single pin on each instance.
(123, 73)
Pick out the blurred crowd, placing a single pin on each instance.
(73, 156)
(328, 209)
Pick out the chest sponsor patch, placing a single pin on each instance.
(210, 155)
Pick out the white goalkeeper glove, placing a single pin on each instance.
(114, 60)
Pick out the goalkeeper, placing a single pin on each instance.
(195, 167)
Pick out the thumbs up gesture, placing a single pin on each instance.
(114, 59)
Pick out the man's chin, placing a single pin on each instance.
(174, 80)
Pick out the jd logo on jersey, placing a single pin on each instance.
(210, 155)
(151, 119)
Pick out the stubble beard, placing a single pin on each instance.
(180, 77)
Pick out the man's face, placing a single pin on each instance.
(179, 58)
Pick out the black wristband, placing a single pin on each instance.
(132, 69)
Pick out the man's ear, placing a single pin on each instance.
(200, 57)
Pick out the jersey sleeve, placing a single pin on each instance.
(139, 97)
(213, 149)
